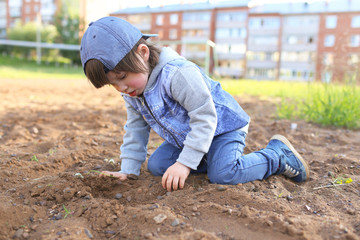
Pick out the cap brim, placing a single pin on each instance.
(146, 36)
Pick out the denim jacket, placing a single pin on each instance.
(170, 119)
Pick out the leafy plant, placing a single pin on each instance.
(67, 212)
(34, 158)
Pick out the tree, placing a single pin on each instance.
(68, 22)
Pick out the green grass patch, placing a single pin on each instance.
(325, 104)
(16, 68)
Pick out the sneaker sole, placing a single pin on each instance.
(289, 145)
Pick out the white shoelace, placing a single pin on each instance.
(290, 172)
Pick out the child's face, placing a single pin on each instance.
(132, 84)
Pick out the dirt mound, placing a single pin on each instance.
(55, 137)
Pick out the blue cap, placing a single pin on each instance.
(108, 40)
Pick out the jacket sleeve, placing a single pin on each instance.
(189, 89)
(134, 147)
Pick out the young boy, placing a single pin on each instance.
(204, 128)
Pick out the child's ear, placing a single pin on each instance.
(143, 51)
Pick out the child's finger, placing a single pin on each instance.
(175, 183)
(182, 183)
(169, 181)
(163, 180)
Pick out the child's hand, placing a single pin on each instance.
(175, 176)
(120, 176)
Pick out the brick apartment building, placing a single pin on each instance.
(290, 41)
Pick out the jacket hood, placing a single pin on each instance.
(166, 55)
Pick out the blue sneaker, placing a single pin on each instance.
(292, 165)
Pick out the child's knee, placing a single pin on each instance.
(220, 177)
(154, 168)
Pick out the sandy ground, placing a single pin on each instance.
(56, 134)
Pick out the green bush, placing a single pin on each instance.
(28, 32)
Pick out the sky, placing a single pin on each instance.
(157, 3)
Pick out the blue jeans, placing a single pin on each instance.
(224, 163)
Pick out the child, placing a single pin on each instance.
(204, 128)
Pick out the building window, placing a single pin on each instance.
(27, 9)
(174, 19)
(292, 40)
(329, 40)
(331, 21)
(173, 34)
(268, 23)
(263, 40)
(355, 40)
(231, 33)
(238, 48)
(159, 20)
(355, 22)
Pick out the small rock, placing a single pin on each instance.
(220, 188)
(160, 218)
(175, 223)
(58, 217)
(159, 197)
(118, 196)
(129, 199)
(109, 232)
(152, 207)
(289, 198)
(148, 235)
(35, 130)
(18, 233)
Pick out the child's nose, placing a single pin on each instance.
(120, 87)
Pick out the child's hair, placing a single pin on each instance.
(95, 70)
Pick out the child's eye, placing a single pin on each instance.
(123, 76)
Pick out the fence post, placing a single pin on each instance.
(38, 38)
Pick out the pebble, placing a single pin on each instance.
(58, 217)
(118, 196)
(18, 233)
(160, 218)
(220, 188)
(175, 223)
(148, 235)
(152, 207)
(129, 198)
(289, 198)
